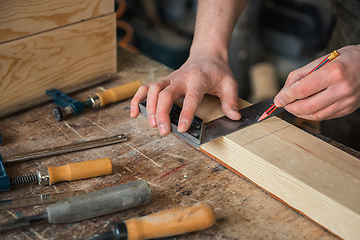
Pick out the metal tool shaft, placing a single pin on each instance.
(65, 149)
(37, 200)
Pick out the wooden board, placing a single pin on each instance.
(59, 58)
(19, 18)
(313, 177)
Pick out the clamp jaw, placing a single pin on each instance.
(4, 179)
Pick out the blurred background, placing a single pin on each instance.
(286, 33)
(271, 39)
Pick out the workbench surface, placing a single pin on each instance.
(177, 173)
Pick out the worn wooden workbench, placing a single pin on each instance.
(177, 173)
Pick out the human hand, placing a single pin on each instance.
(201, 73)
(330, 92)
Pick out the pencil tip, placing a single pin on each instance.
(262, 117)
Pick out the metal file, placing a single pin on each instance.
(37, 200)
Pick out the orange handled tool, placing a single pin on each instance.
(163, 224)
(115, 94)
(97, 100)
(68, 172)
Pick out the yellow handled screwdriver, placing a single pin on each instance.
(97, 100)
(166, 223)
(68, 172)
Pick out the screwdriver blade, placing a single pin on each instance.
(23, 222)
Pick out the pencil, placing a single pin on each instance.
(273, 107)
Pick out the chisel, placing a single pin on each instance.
(90, 205)
(166, 223)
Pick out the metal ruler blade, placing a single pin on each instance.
(249, 115)
(37, 200)
(200, 132)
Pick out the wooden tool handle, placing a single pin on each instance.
(119, 93)
(171, 222)
(80, 170)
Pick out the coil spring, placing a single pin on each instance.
(31, 178)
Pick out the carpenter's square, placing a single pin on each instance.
(200, 132)
(166, 223)
(90, 205)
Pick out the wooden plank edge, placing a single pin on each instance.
(342, 226)
(248, 179)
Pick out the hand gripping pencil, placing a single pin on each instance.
(333, 55)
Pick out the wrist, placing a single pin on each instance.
(209, 48)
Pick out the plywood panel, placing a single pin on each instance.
(311, 176)
(19, 18)
(56, 59)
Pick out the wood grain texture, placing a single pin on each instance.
(59, 58)
(313, 177)
(19, 18)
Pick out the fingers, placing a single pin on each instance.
(313, 107)
(155, 104)
(139, 97)
(229, 99)
(332, 111)
(327, 104)
(152, 99)
(166, 98)
(191, 102)
(159, 99)
(300, 73)
(301, 89)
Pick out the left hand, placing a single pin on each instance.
(330, 92)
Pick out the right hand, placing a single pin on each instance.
(201, 73)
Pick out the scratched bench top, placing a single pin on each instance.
(177, 173)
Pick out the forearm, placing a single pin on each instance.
(215, 22)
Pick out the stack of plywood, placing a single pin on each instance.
(47, 44)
